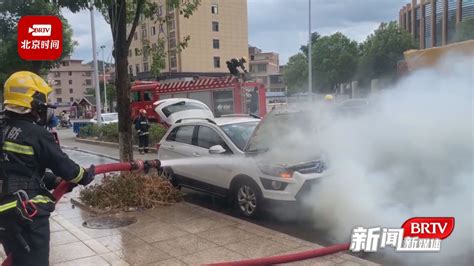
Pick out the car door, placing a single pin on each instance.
(216, 169)
(178, 148)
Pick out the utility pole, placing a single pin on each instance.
(98, 111)
(105, 81)
(310, 70)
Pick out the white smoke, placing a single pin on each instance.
(410, 154)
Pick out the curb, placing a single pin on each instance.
(109, 144)
(81, 205)
(89, 152)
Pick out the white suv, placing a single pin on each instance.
(215, 156)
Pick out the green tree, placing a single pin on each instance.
(465, 30)
(10, 13)
(295, 73)
(382, 50)
(335, 60)
(119, 14)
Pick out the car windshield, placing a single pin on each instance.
(182, 106)
(110, 117)
(240, 133)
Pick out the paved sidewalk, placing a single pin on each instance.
(180, 234)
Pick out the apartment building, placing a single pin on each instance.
(433, 23)
(70, 79)
(265, 68)
(217, 30)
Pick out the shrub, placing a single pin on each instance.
(109, 132)
(130, 190)
(157, 132)
(90, 130)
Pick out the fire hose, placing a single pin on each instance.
(65, 186)
(304, 255)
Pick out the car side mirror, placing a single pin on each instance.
(216, 149)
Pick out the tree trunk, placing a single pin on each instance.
(122, 85)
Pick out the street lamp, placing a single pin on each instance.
(310, 70)
(102, 47)
(96, 69)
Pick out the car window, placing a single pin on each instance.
(184, 134)
(135, 95)
(110, 117)
(239, 133)
(148, 96)
(208, 137)
(182, 106)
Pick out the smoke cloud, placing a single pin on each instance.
(409, 154)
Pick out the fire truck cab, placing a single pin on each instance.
(222, 95)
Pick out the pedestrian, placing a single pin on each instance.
(142, 125)
(27, 149)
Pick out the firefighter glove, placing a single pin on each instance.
(88, 176)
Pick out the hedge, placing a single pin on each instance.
(109, 133)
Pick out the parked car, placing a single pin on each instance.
(237, 169)
(107, 118)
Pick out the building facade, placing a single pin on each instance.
(265, 68)
(70, 79)
(433, 23)
(217, 31)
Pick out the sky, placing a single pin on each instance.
(279, 26)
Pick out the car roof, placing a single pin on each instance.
(219, 121)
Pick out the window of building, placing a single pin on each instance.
(214, 9)
(172, 42)
(88, 81)
(65, 63)
(57, 82)
(135, 36)
(145, 67)
(137, 68)
(171, 24)
(467, 10)
(130, 69)
(70, 82)
(71, 99)
(261, 68)
(153, 31)
(88, 74)
(59, 100)
(215, 44)
(143, 33)
(160, 10)
(137, 51)
(417, 24)
(215, 26)
(70, 73)
(452, 6)
(162, 30)
(428, 17)
(71, 90)
(58, 91)
(129, 52)
(57, 74)
(153, 46)
(439, 24)
(217, 62)
(173, 62)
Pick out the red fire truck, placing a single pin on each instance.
(224, 96)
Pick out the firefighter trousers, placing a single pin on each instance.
(143, 143)
(37, 235)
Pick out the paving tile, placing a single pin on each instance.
(54, 226)
(68, 252)
(201, 224)
(217, 254)
(120, 241)
(158, 232)
(258, 247)
(114, 259)
(184, 245)
(356, 259)
(226, 235)
(62, 237)
(142, 254)
(334, 258)
(96, 233)
(349, 263)
(96, 246)
(168, 262)
(311, 262)
(174, 214)
(92, 261)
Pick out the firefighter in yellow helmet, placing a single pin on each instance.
(27, 150)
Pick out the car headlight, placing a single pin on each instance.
(273, 184)
(275, 170)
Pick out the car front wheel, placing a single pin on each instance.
(248, 198)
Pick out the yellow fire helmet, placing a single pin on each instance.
(328, 97)
(23, 88)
